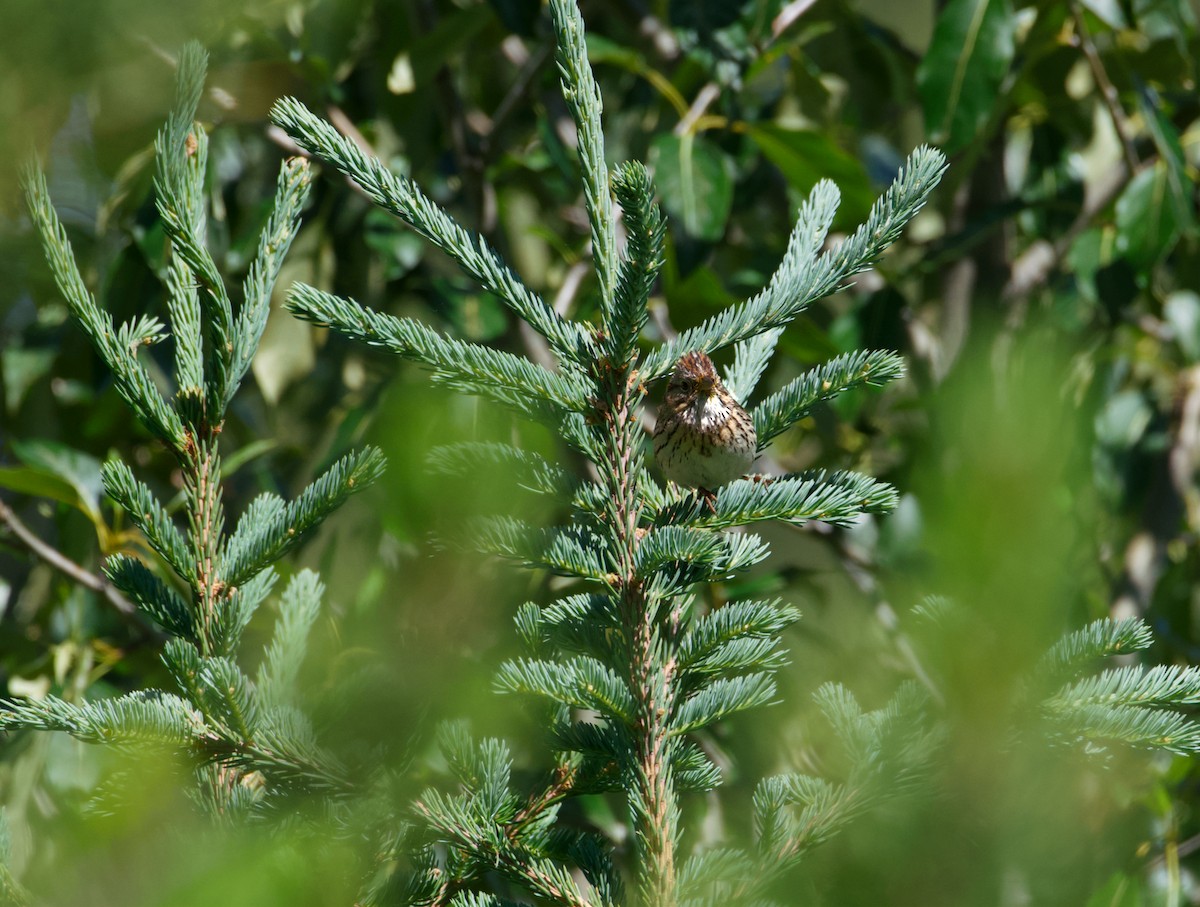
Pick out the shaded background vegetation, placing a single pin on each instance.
(1046, 439)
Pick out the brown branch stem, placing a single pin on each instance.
(203, 482)
(649, 672)
(75, 572)
(1108, 91)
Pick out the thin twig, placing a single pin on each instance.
(63, 564)
(565, 297)
(704, 98)
(515, 93)
(1035, 265)
(1107, 90)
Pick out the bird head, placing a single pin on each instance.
(694, 377)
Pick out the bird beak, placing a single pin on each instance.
(706, 384)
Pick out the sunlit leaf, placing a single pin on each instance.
(1107, 11)
(1182, 313)
(1179, 184)
(77, 470)
(1147, 224)
(1121, 423)
(21, 369)
(695, 180)
(960, 77)
(39, 484)
(805, 156)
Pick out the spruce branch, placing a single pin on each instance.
(403, 199)
(1126, 705)
(582, 94)
(183, 304)
(222, 716)
(486, 827)
(631, 651)
(890, 750)
(791, 403)
(737, 657)
(511, 380)
(707, 641)
(837, 498)
(1097, 640)
(149, 516)
(1131, 705)
(130, 377)
(227, 698)
(785, 834)
(792, 284)
(693, 770)
(1135, 685)
(750, 358)
(298, 609)
(721, 698)
(235, 608)
(542, 877)
(805, 277)
(1138, 727)
(270, 528)
(176, 161)
(181, 158)
(295, 177)
(141, 717)
(584, 683)
(206, 524)
(572, 551)
(285, 753)
(640, 264)
(584, 623)
(152, 596)
(281, 747)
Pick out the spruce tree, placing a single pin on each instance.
(232, 725)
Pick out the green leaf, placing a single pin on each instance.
(1166, 139)
(1182, 312)
(252, 450)
(695, 179)
(959, 79)
(21, 369)
(37, 483)
(1107, 11)
(1124, 419)
(1147, 219)
(805, 157)
(76, 470)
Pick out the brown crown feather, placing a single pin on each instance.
(696, 365)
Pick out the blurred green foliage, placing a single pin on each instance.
(1047, 439)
